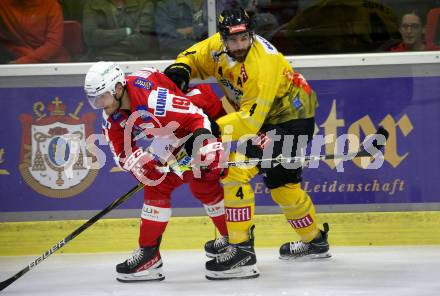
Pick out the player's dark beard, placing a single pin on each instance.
(239, 55)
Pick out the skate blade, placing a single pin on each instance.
(309, 257)
(142, 276)
(244, 272)
(211, 255)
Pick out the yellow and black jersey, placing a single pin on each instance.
(262, 89)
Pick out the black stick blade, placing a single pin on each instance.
(372, 146)
(6, 283)
(383, 132)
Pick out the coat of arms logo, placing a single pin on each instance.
(54, 158)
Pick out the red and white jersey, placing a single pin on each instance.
(160, 112)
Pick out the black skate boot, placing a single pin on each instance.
(144, 265)
(215, 247)
(237, 262)
(315, 249)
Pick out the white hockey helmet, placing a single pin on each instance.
(101, 78)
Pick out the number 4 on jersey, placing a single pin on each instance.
(240, 193)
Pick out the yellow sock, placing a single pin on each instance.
(298, 209)
(239, 203)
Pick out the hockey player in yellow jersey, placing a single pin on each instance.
(270, 101)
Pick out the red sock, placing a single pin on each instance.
(220, 224)
(154, 220)
(150, 231)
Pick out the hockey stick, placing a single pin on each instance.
(71, 236)
(364, 152)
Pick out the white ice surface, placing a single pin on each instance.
(379, 271)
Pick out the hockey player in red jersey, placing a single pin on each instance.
(147, 104)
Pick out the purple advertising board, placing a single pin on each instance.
(34, 119)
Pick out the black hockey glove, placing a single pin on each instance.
(179, 73)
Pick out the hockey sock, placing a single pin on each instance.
(217, 214)
(239, 203)
(154, 220)
(298, 209)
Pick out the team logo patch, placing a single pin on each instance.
(54, 158)
(296, 103)
(143, 83)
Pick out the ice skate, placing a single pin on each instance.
(144, 265)
(318, 248)
(237, 262)
(215, 247)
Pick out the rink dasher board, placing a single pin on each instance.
(120, 235)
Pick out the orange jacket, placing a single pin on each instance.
(33, 30)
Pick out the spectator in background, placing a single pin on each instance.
(179, 23)
(31, 31)
(119, 30)
(412, 30)
(73, 10)
(264, 24)
(341, 26)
